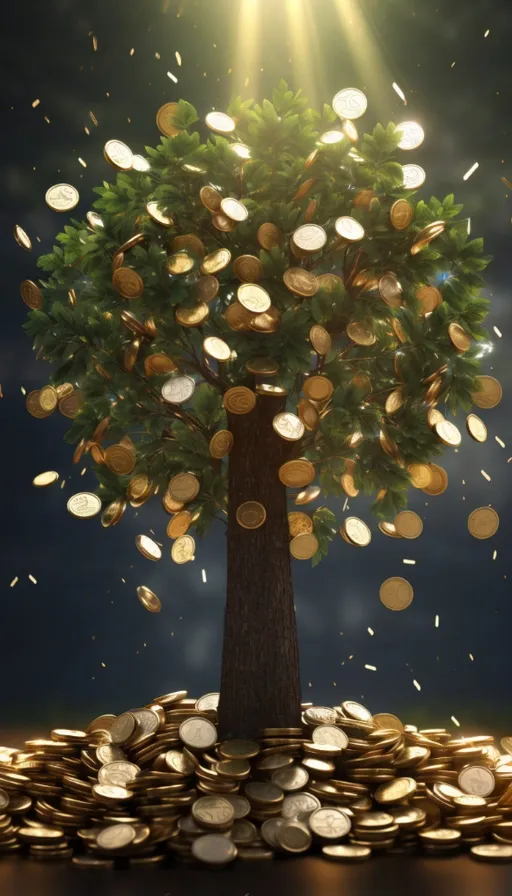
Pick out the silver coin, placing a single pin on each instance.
(178, 389)
(414, 176)
(299, 805)
(477, 779)
(350, 103)
(412, 133)
(214, 849)
(330, 734)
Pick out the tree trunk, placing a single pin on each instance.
(260, 684)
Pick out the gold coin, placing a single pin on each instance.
(214, 849)
(413, 176)
(429, 298)
(395, 791)
(262, 367)
(62, 197)
(119, 459)
(149, 600)
(192, 317)
(188, 242)
(22, 238)
(412, 135)
(157, 364)
(360, 334)
(483, 523)
(309, 238)
(426, 236)
(179, 524)
(476, 428)
(221, 443)
(183, 549)
(199, 734)
(251, 515)
(303, 547)
(420, 475)
(127, 283)
(220, 122)
(31, 294)
(210, 198)
(113, 513)
(84, 505)
(329, 282)
(170, 505)
(94, 220)
(270, 390)
(356, 531)
(133, 324)
(388, 720)
(155, 213)
(234, 209)
(34, 406)
(165, 118)
(239, 400)
(329, 823)
(308, 495)
(399, 331)
(267, 322)
(288, 426)
(448, 433)
(184, 487)
(394, 401)
(297, 473)
(216, 348)
(207, 288)
(301, 282)
(308, 414)
(347, 852)
(223, 223)
(388, 529)
(439, 480)
(248, 268)
(434, 416)
(506, 745)
(390, 290)
(48, 399)
(118, 154)
(396, 593)
(216, 261)
(318, 388)
(44, 479)
(148, 547)
(348, 485)
(70, 405)
(401, 214)
(299, 523)
(237, 317)
(130, 355)
(459, 337)
(408, 524)
(477, 780)
(180, 263)
(489, 392)
(269, 236)
(349, 229)
(320, 339)
(492, 852)
(253, 298)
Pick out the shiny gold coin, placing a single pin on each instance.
(48, 399)
(459, 337)
(234, 209)
(158, 364)
(320, 339)
(31, 294)
(94, 220)
(388, 720)
(491, 852)
(22, 238)
(448, 433)
(477, 779)
(84, 505)
(192, 317)
(157, 215)
(220, 122)
(214, 849)
(127, 283)
(239, 400)
(253, 298)
(270, 390)
(308, 414)
(118, 154)
(188, 242)
(170, 505)
(426, 236)
(119, 459)
(299, 523)
(308, 495)
(395, 791)
(34, 406)
(62, 197)
(303, 547)
(211, 198)
(221, 443)
(216, 348)
(329, 282)
(309, 238)
(388, 529)
(476, 428)
(237, 317)
(390, 290)
(483, 523)
(348, 485)
(434, 416)
(394, 401)
(413, 176)
(420, 474)
(148, 599)
(349, 229)
(200, 734)
(165, 118)
(223, 223)
(356, 531)
(318, 388)
(179, 524)
(42, 480)
(396, 593)
(180, 263)
(148, 548)
(439, 480)
(429, 298)
(269, 236)
(183, 549)
(251, 515)
(360, 334)
(401, 214)
(133, 324)
(297, 473)
(262, 367)
(300, 281)
(248, 268)
(206, 288)
(184, 487)
(288, 426)
(267, 322)
(113, 513)
(408, 524)
(70, 405)
(216, 261)
(489, 392)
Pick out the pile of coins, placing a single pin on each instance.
(156, 782)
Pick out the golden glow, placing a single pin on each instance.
(368, 60)
(248, 48)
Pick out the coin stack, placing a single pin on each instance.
(156, 782)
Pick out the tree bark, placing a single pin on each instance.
(260, 683)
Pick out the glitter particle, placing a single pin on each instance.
(436, 622)
(370, 631)
(14, 581)
(416, 684)
(84, 164)
(499, 441)
(178, 58)
(471, 657)
(485, 475)
(172, 77)
(203, 574)
(399, 91)
(494, 555)
(471, 171)
(35, 103)
(33, 579)
(455, 721)
(371, 668)
(498, 332)
(410, 562)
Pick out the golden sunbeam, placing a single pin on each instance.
(246, 68)
(374, 73)
(305, 57)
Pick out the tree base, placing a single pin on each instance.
(75, 800)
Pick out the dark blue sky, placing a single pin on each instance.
(83, 611)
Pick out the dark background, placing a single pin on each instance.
(78, 642)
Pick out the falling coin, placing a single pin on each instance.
(408, 524)
(62, 197)
(44, 479)
(220, 122)
(148, 547)
(483, 523)
(84, 505)
(413, 176)
(349, 229)
(303, 547)
(22, 238)
(183, 549)
(357, 532)
(350, 103)
(396, 593)
(148, 599)
(412, 135)
(448, 433)
(118, 154)
(489, 393)
(476, 428)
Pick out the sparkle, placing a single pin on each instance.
(178, 58)
(35, 103)
(471, 657)
(455, 721)
(371, 668)
(33, 579)
(436, 622)
(498, 332)
(172, 77)
(410, 562)
(83, 164)
(203, 574)
(370, 631)
(499, 441)
(471, 171)
(494, 555)
(416, 684)
(487, 32)
(485, 475)
(399, 91)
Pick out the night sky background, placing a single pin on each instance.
(78, 642)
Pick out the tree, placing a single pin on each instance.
(281, 266)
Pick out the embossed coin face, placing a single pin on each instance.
(356, 711)
(310, 237)
(483, 523)
(349, 229)
(198, 734)
(401, 214)
(253, 298)
(320, 339)
(390, 290)
(184, 487)
(208, 701)
(178, 389)
(300, 281)
(477, 780)
(476, 428)
(148, 548)
(396, 593)
(216, 348)
(212, 811)
(295, 777)
(31, 294)
(395, 791)
(269, 830)
(221, 443)
(216, 261)
(157, 215)
(329, 734)
(388, 720)
(413, 176)
(357, 532)
(330, 824)
(118, 154)
(115, 836)
(234, 209)
(412, 135)
(148, 599)
(318, 388)
(350, 103)
(320, 715)
(84, 505)
(122, 728)
(297, 473)
(360, 334)
(62, 197)
(239, 400)
(288, 426)
(119, 459)
(299, 805)
(165, 118)
(220, 122)
(489, 392)
(183, 549)
(128, 283)
(408, 524)
(118, 772)
(214, 849)
(448, 433)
